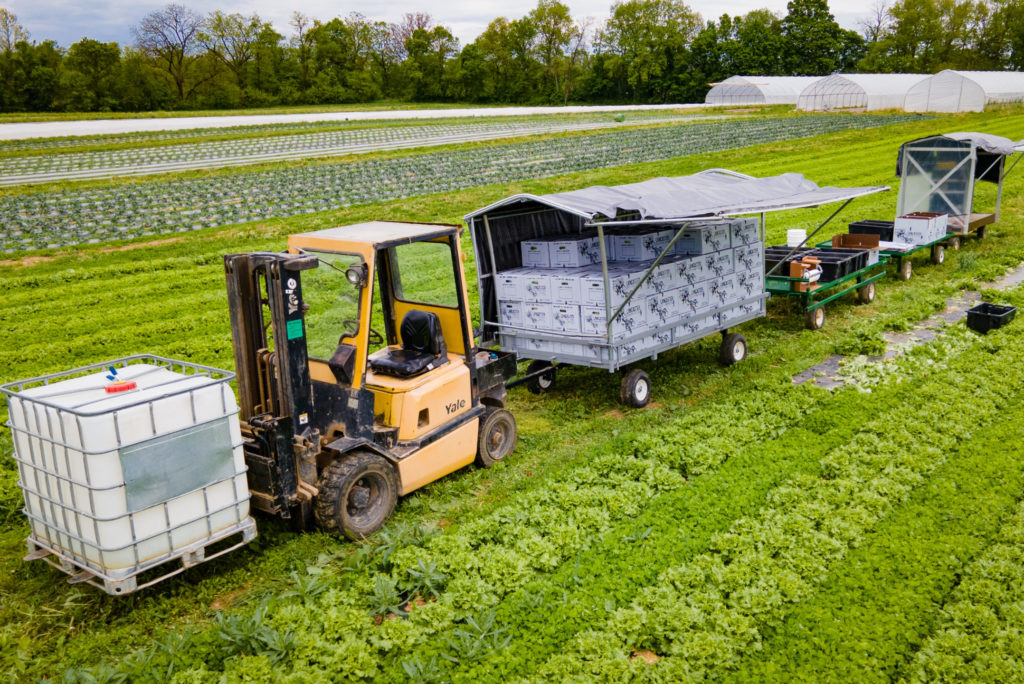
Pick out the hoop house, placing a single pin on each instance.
(759, 90)
(858, 91)
(964, 91)
(939, 173)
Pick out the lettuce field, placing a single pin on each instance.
(741, 527)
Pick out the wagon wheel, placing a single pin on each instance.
(542, 382)
(815, 318)
(866, 293)
(636, 388)
(953, 243)
(733, 349)
(905, 270)
(980, 232)
(938, 254)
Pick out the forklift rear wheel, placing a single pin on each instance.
(498, 434)
(953, 243)
(358, 492)
(815, 318)
(906, 270)
(542, 382)
(938, 254)
(866, 293)
(636, 388)
(733, 350)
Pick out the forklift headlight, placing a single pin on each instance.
(356, 275)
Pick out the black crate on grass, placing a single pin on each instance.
(987, 316)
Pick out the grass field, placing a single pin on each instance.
(738, 528)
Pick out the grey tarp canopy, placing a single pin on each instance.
(939, 173)
(497, 229)
(987, 147)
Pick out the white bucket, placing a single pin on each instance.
(795, 237)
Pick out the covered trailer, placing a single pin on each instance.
(940, 172)
(697, 258)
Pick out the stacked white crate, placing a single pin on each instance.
(704, 283)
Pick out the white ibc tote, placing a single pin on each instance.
(127, 465)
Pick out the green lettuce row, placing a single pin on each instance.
(704, 614)
(980, 636)
(879, 605)
(492, 557)
(679, 524)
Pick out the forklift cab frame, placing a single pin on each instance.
(330, 431)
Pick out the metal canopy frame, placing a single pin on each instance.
(484, 246)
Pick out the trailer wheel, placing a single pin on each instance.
(953, 243)
(938, 254)
(815, 318)
(980, 232)
(906, 269)
(866, 293)
(497, 439)
(358, 492)
(733, 349)
(636, 388)
(542, 382)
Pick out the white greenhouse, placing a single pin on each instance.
(759, 90)
(964, 91)
(858, 91)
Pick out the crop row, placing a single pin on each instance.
(980, 636)
(705, 614)
(507, 559)
(55, 219)
(153, 160)
(187, 135)
(872, 614)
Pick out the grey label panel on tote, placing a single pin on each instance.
(168, 466)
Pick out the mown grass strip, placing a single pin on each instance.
(876, 608)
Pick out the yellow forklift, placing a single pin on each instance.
(338, 418)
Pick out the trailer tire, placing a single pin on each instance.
(815, 319)
(733, 349)
(542, 382)
(938, 254)
(498, 435)
(905, 270)
(636, 388)
(358, 492)
(866, 293)
(954, 243)
(980, 232)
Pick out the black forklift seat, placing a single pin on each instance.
(423, 347)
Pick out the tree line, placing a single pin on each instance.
(645, 51)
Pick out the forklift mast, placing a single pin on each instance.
(274, 386)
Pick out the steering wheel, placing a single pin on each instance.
(352, 327)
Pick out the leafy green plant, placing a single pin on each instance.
(425, 580)
(306, 587)
(422, 672)
(479, 637)
(385, 598)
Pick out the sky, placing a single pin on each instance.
(67, 21)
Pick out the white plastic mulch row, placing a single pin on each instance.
(169, 158)
(48, 219)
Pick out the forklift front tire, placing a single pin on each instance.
(498, 434)
(358, 492)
